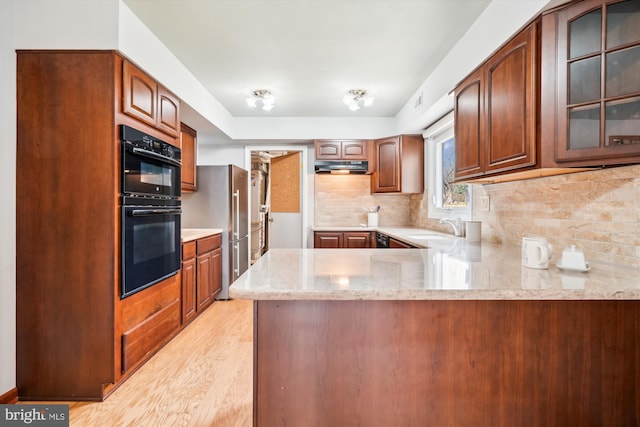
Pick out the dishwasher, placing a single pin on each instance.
(382, 240)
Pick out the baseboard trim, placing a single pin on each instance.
(9, 397)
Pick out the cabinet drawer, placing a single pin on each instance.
(139, 307)
(208, 244)
(141, 340)
(188, 250)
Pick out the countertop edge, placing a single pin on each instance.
(495, 295)
(191, 234)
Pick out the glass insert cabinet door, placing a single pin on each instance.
(599, 59)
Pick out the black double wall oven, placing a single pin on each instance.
(150, 210)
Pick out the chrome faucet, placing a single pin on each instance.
(455, 223)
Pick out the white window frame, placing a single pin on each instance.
(436, 134)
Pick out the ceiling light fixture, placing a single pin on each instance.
(357, 97)
(263, 96)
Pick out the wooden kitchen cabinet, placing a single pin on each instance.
(395, 243)
(469, 125)
(204, 280)
(189, 302)
(140, 94)
(496, 111)
(591, 83)
(545, 363)
(77, 339)
(149, 319)
(216, 282)
(325, 239)
(399, 165)
(149, 102)
(353, 149)
(561, 96)
(346, 239)
(358, 239)
(201, 275)
(188, 144)
(168, 112)
(208, 267)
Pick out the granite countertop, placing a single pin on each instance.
(190, 234)
(450, 268)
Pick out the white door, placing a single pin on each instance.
(285, 213)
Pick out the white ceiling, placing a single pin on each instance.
(309, 53)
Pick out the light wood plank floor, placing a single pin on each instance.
(203, 377)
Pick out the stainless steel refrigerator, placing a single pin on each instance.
(221, 201)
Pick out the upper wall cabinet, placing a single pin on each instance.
(355, 149)
(168, 112)
(188, 144)
(496, 111)
(399, 165)
(591, 83)
(140, 94)
(149, 102)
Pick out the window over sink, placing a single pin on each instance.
(445, 199)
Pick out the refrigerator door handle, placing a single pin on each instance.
(236, 226)
(236, 260)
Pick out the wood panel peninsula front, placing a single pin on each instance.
(452, 335)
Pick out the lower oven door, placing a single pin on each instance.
(150, 246)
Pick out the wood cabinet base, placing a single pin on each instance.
(438, 363)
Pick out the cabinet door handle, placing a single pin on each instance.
(154, 155)
(153, 212)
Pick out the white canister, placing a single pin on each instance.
(536, 252)
(473, 231)
(372, 219)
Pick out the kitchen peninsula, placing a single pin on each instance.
(456, 334)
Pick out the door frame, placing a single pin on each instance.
(303, 178)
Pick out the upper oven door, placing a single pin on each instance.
(147, 173)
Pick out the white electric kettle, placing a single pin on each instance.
(536, 252)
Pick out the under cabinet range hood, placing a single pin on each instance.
(342, 166)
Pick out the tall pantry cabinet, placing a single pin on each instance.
(70, 320)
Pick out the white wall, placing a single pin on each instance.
(8, 213)
(309, 128)
(232, 154)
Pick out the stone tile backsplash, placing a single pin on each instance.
(340, 201)
(598, 211)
